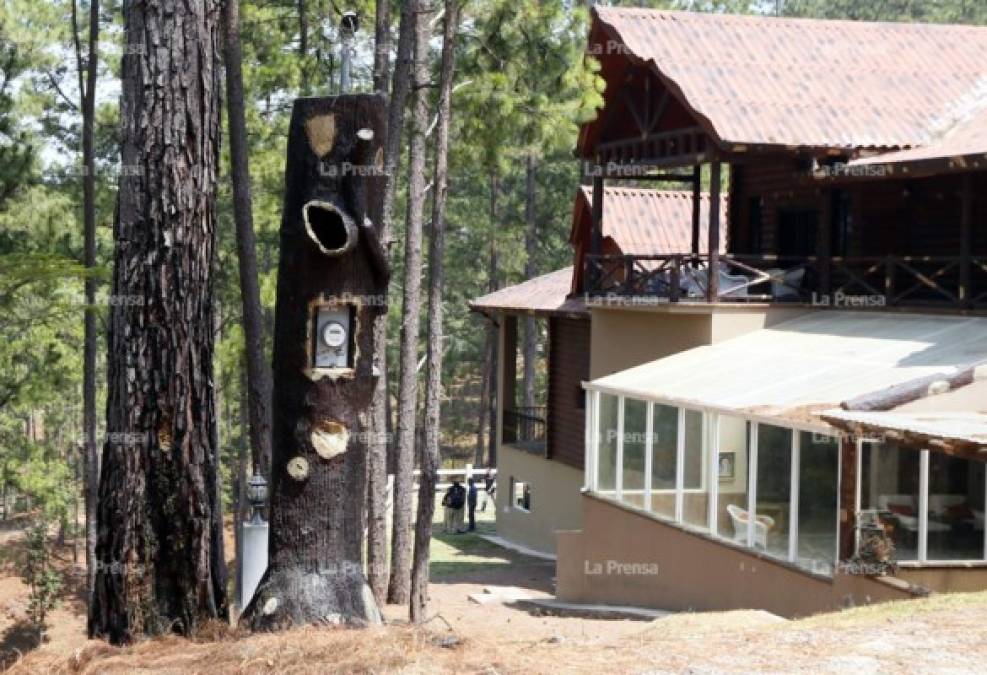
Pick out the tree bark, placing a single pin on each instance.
(331, 265)
(90, 448)
(399, 586)
(377, 460)
(488, 386)
(303, 46)
(431, 458)
(159, 565)
(382, 45)
(240, 495)
(258, 371)
(530, 349)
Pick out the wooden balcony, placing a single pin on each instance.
(524, 427)
(943, 282)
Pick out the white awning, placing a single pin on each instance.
(812, 363)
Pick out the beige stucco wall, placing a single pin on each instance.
(680, 570)
(555, 498)
(627, 337)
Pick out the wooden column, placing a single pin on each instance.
(713, 288)
(966, 239)
(825, 241)
(696, 197)
(848, 498)
(596, 237)
(507, 382)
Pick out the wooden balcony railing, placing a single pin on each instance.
(852, 282)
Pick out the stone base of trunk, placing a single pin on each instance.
(289, 597)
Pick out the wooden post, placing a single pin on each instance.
(713, 284)
(596, 237)
(825, 241)
(507, 394)
(696, 201)
(332, 285)
(966, 240)
(848, 498)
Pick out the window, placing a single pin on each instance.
(732, 465)
(634, 437)
(520, 495)
(818, 493)
(664, 459)
(774, 489)
(889, 492)
(695, 501)
(956, 509)
(607, 467)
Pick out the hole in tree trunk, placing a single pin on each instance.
(329, 227)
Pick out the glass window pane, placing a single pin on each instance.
(664, 455)
(774, 489)
(889, 481)
(607, 459)
(819, 466)
(635, 436)
(695, 501)
(956, 508)
(734, 458)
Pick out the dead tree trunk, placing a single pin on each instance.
(332, 279)
(159, 565)
(530, 270)
(377, 459)
(258, 371)
(431, 459)
(399, 585)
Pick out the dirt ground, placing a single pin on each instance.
(939, 634)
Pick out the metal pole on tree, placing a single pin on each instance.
(332, 285)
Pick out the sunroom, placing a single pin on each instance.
(727, 441)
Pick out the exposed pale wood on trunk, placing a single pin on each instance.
(321, 417)
(900, 394)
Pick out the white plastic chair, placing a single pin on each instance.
(762, 525)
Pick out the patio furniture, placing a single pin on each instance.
(762, 525)
(785, 285)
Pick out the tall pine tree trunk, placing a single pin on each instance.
(530, 270)
(488, 383)
(159, 565)
(398, 588)
(377, 562)
(87, 89)
(258, 371)
(431, 458)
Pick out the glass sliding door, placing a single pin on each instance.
(664, 459)
(606, 467)
(634, 435)
(774, 489)
(818, 487)
(695, 497)
(889, 491)
(956, 509)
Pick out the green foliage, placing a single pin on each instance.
(37, 571)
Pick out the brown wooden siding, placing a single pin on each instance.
(568, 368)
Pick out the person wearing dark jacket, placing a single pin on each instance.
(454, 500)
(471, 494)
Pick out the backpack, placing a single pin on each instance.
(457, 496)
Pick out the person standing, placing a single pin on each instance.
(453, 501)
(489, 490)
(471, 495)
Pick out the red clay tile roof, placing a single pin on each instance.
(547, 294)
(803, 82)
(648, 222)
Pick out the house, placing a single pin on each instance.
(785, 408)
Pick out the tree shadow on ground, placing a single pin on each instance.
(19, 639)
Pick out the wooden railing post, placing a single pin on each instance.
(713, 276)
(965, 294)
(889, 279)
(674, 279)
